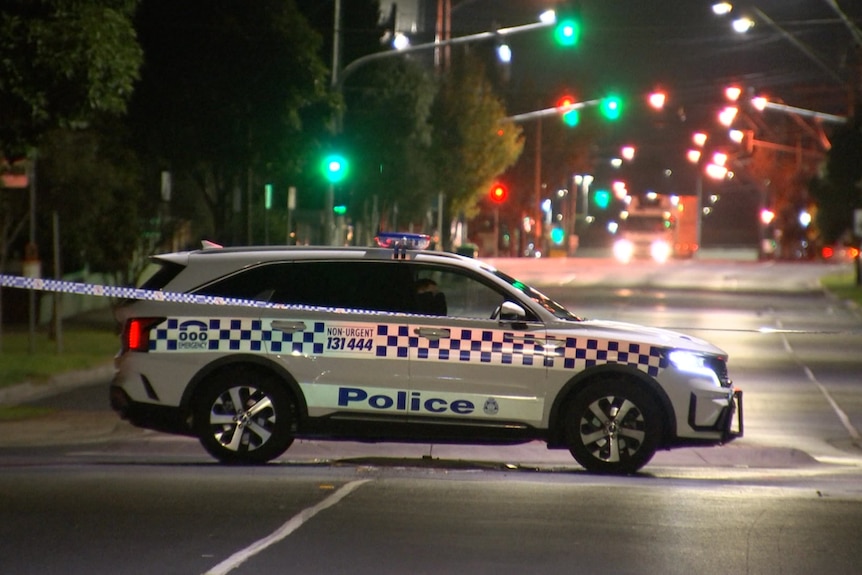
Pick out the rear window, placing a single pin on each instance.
(158, 273)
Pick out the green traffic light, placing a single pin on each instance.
(602, 198)
(611, 107)
(571, 118)
(567, 32)
(558, 235)
(334, 168)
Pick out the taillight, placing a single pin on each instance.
(136, 335)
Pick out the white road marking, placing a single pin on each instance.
(282, 532)
(842, 415)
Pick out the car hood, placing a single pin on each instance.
(622, 331)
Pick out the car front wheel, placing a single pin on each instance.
(243, 416)
(613, 427)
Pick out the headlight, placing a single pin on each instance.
(660, 251)
(623, 250)
(693, 363)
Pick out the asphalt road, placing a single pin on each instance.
(786, 498)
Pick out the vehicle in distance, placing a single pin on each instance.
(403, 344)
(658, 227)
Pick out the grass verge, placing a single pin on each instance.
(843, 286)
(83, 348)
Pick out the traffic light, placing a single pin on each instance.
(499, 193)
(570, 115)
(558, 235)
(602, 199)
(567, 30)
(267, 196)
(611, 107)
(334, 168)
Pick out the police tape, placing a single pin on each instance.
(130, 293)
(79, 288)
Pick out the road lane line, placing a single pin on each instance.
(842, 415)
(282, 532)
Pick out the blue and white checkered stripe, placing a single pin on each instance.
(397, 341)
(580, 353)
(233, 335)
(463, 345)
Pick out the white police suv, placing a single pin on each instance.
(401, 344)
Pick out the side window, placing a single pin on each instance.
(257, 283)
(464, 294)
(363, 285)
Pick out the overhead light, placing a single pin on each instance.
(722, 8)
(742, 25)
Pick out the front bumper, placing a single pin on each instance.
(729, 422)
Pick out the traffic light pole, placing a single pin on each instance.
(536, 114)
(340, 77)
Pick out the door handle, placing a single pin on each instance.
(288, 326)
(432, 333)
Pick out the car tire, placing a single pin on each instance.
(613, 427)
(244, 416)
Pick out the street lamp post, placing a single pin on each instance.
(547, 20)
(339, 75)
(742, 25)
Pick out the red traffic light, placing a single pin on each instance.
(565, 103)
(499, 193)
(567, 110)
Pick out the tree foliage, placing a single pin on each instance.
(63, 66)
(838, 190)
(92, 180)
(61, 63)
(232, 94)
(388, 137)
(472, 142)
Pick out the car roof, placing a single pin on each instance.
(213, 262)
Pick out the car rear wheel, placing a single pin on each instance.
(243, 416)
(613, 427)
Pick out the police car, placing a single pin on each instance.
(397, 343)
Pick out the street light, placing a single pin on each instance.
(746, 23)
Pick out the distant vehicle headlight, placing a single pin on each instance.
(624, 250)
(660, 251)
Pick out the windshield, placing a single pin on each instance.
(643, 223)
(557, 309)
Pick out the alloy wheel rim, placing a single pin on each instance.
(612, 429)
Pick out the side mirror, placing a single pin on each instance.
(510, 311)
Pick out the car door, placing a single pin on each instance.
(336, 339)
(466, 364)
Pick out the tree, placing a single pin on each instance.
(388, 138)
(472, 143)
(62, 63)
(92, 179)
(838, 190)
(233, 94)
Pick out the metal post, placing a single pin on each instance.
(58, 309)
(329, 218)
(32, 246)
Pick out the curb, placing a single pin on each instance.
(30, 391)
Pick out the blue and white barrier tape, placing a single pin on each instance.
(79, 288)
